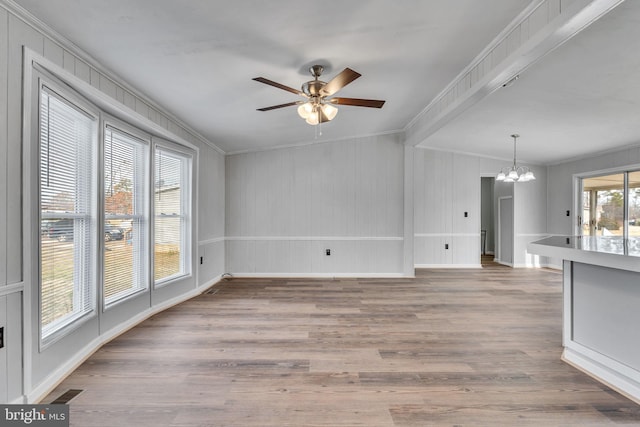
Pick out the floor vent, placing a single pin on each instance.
(212, 291)
(66, 397)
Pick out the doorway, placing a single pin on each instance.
(505, 230)
(487, 219)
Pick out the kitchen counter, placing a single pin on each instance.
(601, 306)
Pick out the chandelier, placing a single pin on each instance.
(515, 173)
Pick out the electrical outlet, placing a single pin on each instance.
(568, 213)
(327, 252)
(466, 214)
(2, 337)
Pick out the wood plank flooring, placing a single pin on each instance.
(449, 348)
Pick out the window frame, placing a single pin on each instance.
(579, 191)
(38, 68)
(109, 121)
(64, 326)
(188, 155)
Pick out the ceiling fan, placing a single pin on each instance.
(318, 107)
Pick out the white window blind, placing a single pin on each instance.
(125, 228)
(171, 251)
(67, 214)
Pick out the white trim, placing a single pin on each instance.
(627, 381)
(399, 132)
(611, 150)
(448, 266)
(320, 275)
(18, 401)
(447, 235)
(543, 235)
(210, 241)
(49, 383)
(558, 28)
(209, 283)
(503, 35)
(48, 32)
(508, 264)
(313, 238)
(483, 156)
(10, 289)
(103, 101)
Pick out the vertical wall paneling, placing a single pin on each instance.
(83, 71)
(211, 215)
(286, 207)
(446, 186)
(94, 78)
(43, 369)
(53, 52)
(4, 135)
(4, 368)
(408, 266)
(69, 62)
(13, 345)
(129, 100)
(20, 34)
(109, 87)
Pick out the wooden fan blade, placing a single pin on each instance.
(279, 86)
(288, 104)
(338, 82)
(356, 102)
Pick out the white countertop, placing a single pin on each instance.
(609, 251)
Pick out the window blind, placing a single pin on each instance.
(67, 194)
(126, 247)
(171, 215)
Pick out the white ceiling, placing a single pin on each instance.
(582, 98)
(197, 59)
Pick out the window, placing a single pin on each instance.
(105, 196)
(67, 141)
(125, 261)
(603, 205)
(611, 205)
(172, 215)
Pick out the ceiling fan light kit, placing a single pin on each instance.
(319, 106)
(515, 173)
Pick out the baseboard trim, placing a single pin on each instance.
(621, 383)
(319, 275)
(508, 264)
(452, 266)
(48, 384)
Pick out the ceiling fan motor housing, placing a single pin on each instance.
(313, 87)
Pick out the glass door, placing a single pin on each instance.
(603, 205)
(634, 204)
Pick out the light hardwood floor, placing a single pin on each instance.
(450, 348)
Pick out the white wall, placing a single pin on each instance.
(446, 186)
(442, 196)
(530, 219)
(286, 206)
(560, 188)
(560, 195)
(18, 31)
(211, 216)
